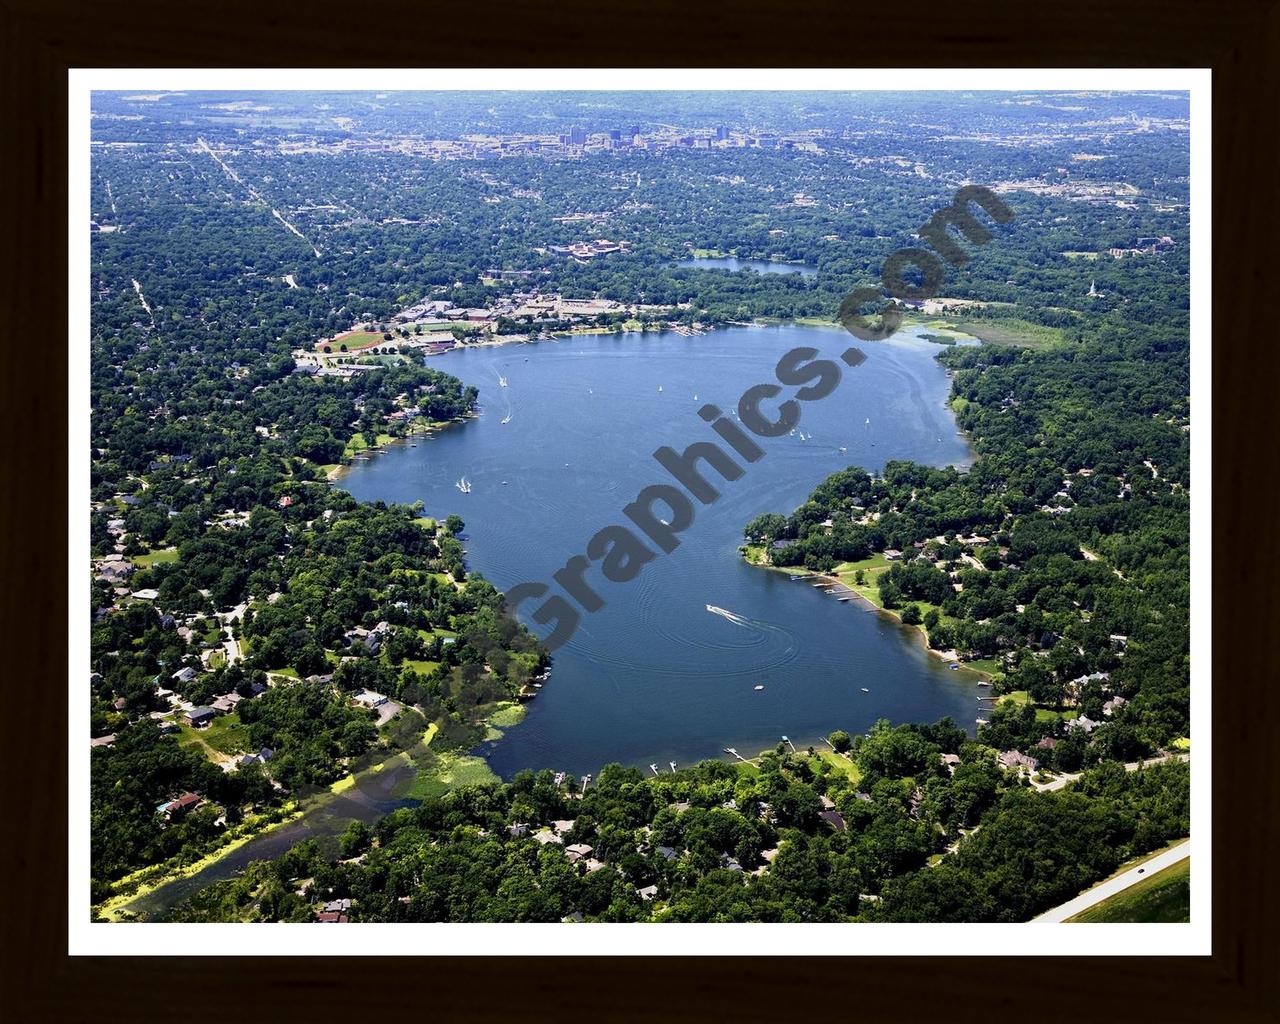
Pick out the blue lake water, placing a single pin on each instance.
(654, 676)
(759, 266)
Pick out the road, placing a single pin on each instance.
(1132, 766)
(1114, 885)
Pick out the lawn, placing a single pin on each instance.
(161, 557)
(427, 523)
(841, 764)
(358, 443)
(424, 668)
(1164, 898)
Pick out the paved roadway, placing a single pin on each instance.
(1114, 885)
(1132, 766)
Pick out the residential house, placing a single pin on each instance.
(1016, 760)
(199, 718)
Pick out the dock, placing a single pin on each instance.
(731, 750)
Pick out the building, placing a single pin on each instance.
(1016, 760)
(177, 808)
(199, 718)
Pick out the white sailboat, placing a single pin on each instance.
(659, 389)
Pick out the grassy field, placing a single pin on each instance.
(223, 736)
(161, 557)
(354, 340)
(1163, 898)
(1012, 332)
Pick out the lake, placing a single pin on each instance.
(654, 677)
(759, 266)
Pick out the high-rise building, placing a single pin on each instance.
(722, 132)
(577, 136)
(615, 134)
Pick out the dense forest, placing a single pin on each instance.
(792, 839)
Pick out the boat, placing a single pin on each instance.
(865, 690)
(759, 687)
(980, 721)
(504, 483)
(955, 667)
(464, 485)
(843, 448)
(507, 418)
(695, 398)
(984, 684)
(659, 388)
(797, 577)
(868, 421)
(502, 381)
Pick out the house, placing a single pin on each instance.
(827, 803)
(337, 906)
(177, 808)
(331, 917)
(834, 819)
(950, 761)
(562, 826)
(1113, 705)
(577, 851)
(892, 555)
(647, 893)
(224, 705)
(1016, 760)
(146, 595)
(1048, 743)
(518, 831)
(103, 741)
(199, 718)
(1081, 724)
(667, 853)
(545, 836)
(369, 699)
(730, 863)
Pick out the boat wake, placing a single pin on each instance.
(736, 619)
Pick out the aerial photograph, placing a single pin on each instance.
(533, 506)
